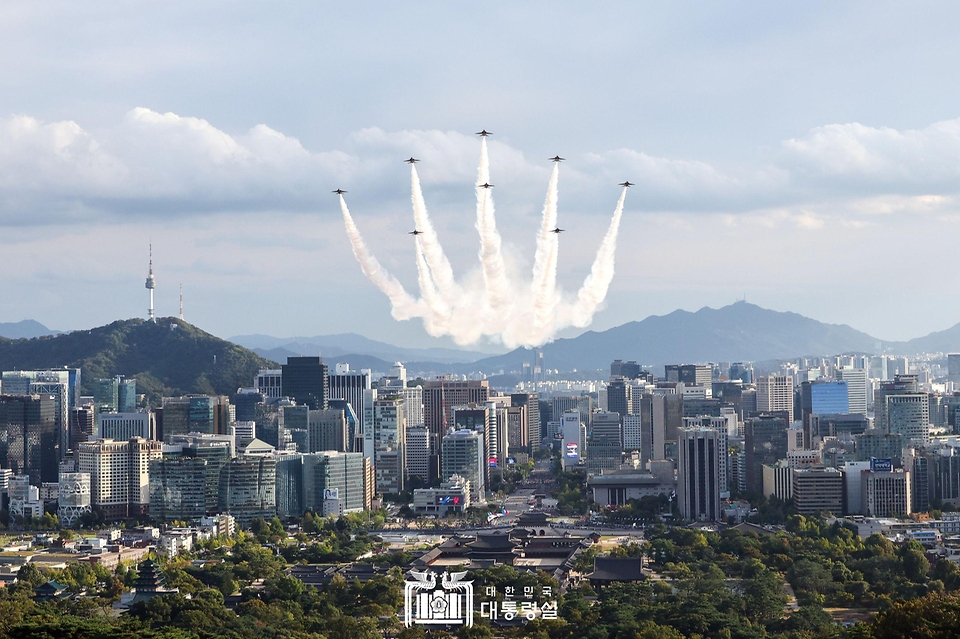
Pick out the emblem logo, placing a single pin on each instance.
(450, 603)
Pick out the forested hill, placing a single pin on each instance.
(169, 357)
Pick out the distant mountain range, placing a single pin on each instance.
(335, 346)
(169, 357)
(738, 332)
(173, 357)
(25, 329)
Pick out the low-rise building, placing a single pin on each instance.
(452, 496)
(618, 487)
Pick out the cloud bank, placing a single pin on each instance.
(164, 164)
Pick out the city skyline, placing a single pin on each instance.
(220, 147)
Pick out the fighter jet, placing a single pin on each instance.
(412, 160)
(557, 158)
(627, 183)
(339, 191)
(558, 230)
(415, 232)
(483, 133)
(486, 185)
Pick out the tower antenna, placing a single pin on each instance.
(181, 301)
(150, 285)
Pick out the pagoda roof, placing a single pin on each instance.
(616, 569)
(532, 518)
(492, 541)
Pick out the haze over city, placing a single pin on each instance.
(774, 159)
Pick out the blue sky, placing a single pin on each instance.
(807, 157)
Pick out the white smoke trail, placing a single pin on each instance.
(595, 287)
(544, 285)
(496, 284)
(438, 315)
(403, 305)
(440, 268)
(488, 303)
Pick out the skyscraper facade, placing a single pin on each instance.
(307, 381)
(29, 442)
(119, 475)
(440, 396)
(462, 455)
(765, 442)
(775, 393)
(701, 471)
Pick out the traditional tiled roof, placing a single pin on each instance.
(616, 569)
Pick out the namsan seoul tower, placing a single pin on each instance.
(150, 285)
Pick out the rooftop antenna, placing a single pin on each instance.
(181, 301)
(150, 285)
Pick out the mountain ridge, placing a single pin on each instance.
(25, 329)
(169, 357)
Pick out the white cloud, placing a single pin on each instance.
(869, 160)
(162, 164)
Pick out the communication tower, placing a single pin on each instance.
(150, 285)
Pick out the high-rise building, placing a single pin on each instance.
(574, 438)
(690, 374)
(875, 443)
(269, 383)
(887, 492)
(418, 451)
(55, 386)
(632, 432)
(216, 451)
(119, 475)
(775, 393)
(82, 425)
(627, 370)
(209, 414)
(106, 394)
(124, 426)
(816, 490)
(856, 379)
(765, 442)
(246, 401)
(349, 385)
(620, 397)
(824, 396)
(440, 396)
(388, 440)
(178, 488)
(531, 402)
(742, 372)
(667, 410)
(248, 488)
(306, 380)
(29, 441)
(908, 414)
(901, 385)
(605, 448)
(126, 395)
(701, 473)
(518, 428)
(953, 367)
(334, 480)
(327, 431)
(462, 454)
(289, 487)
(243, 433)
